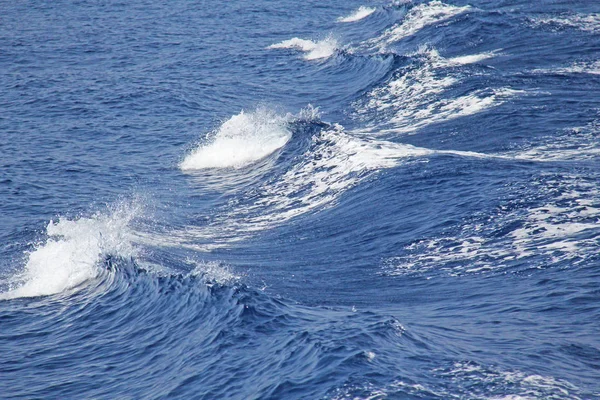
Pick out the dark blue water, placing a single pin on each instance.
(300, 200)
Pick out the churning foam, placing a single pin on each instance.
(361, 13)
(70, 255)
(314, 50)
(336, 162)
(416, 19)
(243, 139)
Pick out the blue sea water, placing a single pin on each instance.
(300, 200)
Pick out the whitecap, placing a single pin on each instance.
(359, 14)
(563, 228)
(579, 143)
(582, 67)
(335, 162)
(71, 254)
(322, 49)
(242, 140)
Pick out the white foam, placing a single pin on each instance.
(213, 272)
(522, 385)
(578, 143)
(70, 255)
(416, 19)
(361, 13)
(412, 100)
(566, 227)
(473, 58)
(438, 61)
(493, 383)
(592, 68)
(322, 49)
(243, 139)
(336, 163)
(584, 22)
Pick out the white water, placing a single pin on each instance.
(242, 140)
(71, 253)
(579, 143)
(361, 13)
(322, 49)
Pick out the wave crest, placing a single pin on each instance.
(72, 252)
(361, 13)
(322, 49)
(242, 140)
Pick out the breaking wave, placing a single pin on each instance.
(361, 13)
(72, 253)
(320, 50)
(243, 139)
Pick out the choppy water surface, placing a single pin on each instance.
(328, 200)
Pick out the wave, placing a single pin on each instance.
(72, 253)
(417, 18)
(333, 162)
(361, 13)
(242, 140)
(473, 58)
(322, 49)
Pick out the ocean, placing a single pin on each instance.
(300, 200)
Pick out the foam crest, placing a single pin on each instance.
(242, 140)
(436, 60)
(361, 13)
(416, 19)
(322, 49)
(336, 162)
(473, 58)
(493, 383)
(70, 255)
